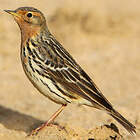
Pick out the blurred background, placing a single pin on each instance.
(104, 38)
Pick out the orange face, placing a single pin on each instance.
(30, 20)
(27, 16)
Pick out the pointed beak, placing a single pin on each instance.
(13, 13)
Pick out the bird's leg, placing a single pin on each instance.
(52, 118)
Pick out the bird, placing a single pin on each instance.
(54, 72)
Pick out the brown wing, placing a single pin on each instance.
(64, 70)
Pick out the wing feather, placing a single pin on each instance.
(64, 69)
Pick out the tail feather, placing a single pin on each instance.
(125, 123)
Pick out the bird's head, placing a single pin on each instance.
(29, 19)
(27, 15)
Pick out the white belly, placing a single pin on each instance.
(45, 86)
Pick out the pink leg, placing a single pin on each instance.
(52, 118)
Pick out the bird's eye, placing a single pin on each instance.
(29, 15)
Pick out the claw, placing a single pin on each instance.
(36, 131)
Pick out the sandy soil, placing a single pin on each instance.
(103, 36)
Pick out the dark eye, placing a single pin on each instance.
(29, 15)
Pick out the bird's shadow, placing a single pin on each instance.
(15, 120)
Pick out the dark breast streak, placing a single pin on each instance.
(52, 53)
(32, 54)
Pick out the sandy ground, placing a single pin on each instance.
(104, 37)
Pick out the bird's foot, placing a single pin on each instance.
(36, 131)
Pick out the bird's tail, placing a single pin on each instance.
(125, 123)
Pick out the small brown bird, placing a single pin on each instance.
(54, 72)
